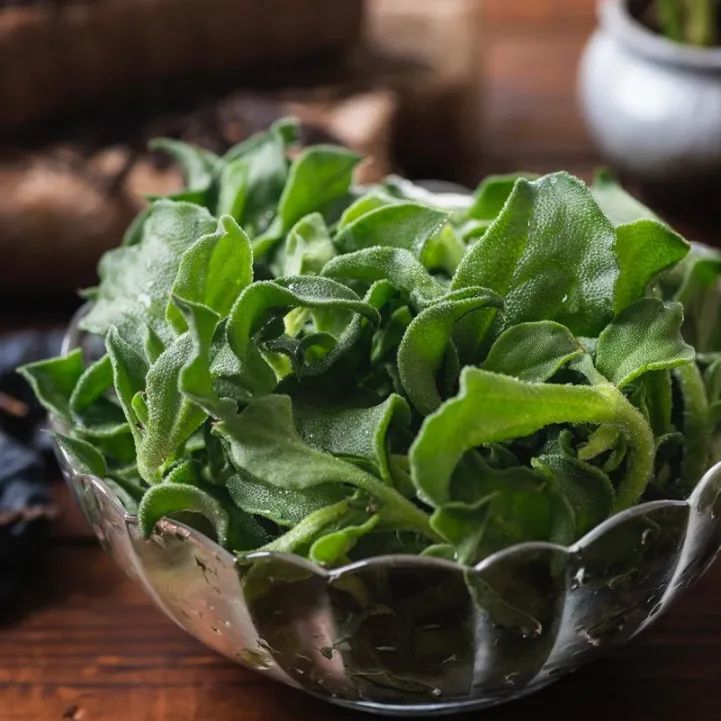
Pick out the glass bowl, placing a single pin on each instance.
(409, 635)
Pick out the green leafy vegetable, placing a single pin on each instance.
(491, 408)
(213, 271)
(550, 254)
(298, 364)
(492, 194)
(136, 279)
(426, 340)
(400, 225)
(646, 336)
(84, 457)
(318, 177)
(532, 351)
(644, 248)
(54, 380)
(308, 247)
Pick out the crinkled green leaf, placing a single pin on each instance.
(333, 548)
(696, 427)
(603, 439)
(492, 193)
(491, 407)
(444, 251)
(91, 406)
(140, 408)
(83, 456)
(166, 499)
(171, 417)
(645, 336)
(659, 400)
(353, 433)
(54, 380)
(399, 225)
(135, 280)
(257, 305)
(550, 254)
(152, 344)
(532, 351)
(233, 528)
(300, 536)
(129, 371)
(213, 271)
(399, 266)
(318, 176)
(307, 248)
(202, 375)
(644, 248)
(426, 341)
(264, 441)
(287, 506)
(587, 489)
(369, 201)
(253, 176)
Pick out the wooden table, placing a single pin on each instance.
(90, 647)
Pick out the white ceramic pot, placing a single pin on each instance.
(653, 106)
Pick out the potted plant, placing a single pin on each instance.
(650, 88)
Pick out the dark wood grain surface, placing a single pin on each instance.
(89, 646)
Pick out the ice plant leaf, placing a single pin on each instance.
(54, 380)
(213, 271)
(550, 254)
(397, 265)
(319, 176)
(645, 248)
(532, 351)
(646, 336)
(492, 193)
(491, 408)
(135, 280)
(426, 341)
(343, 371)
(400, 225)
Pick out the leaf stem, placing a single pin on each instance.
(305, 531)
(403, 511)
(696, 427)
(642, 452)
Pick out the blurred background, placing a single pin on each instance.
(450, 89)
